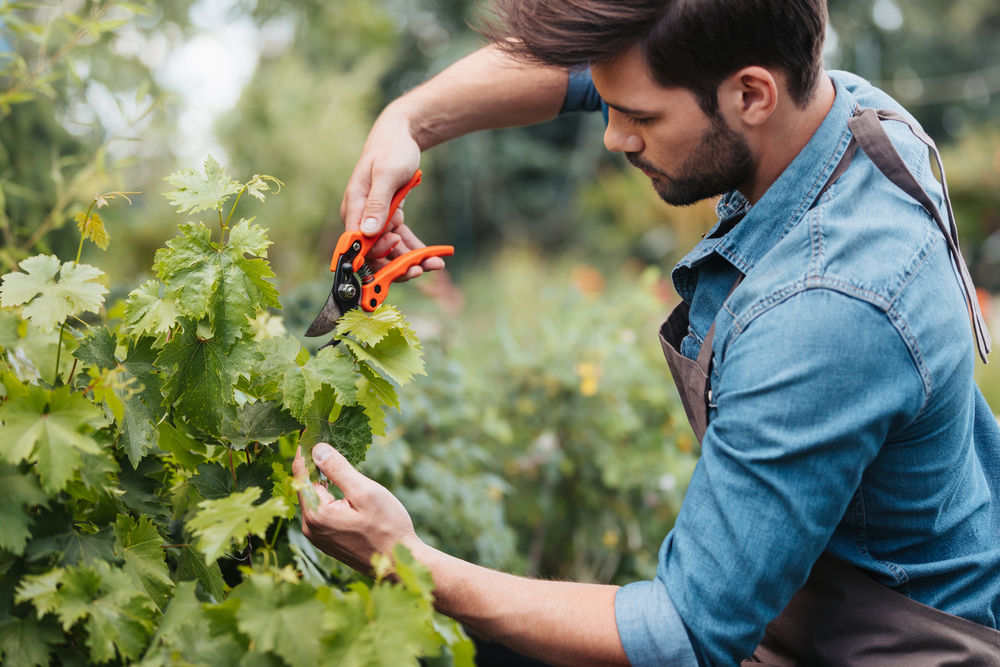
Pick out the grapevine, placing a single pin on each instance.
(147, 510)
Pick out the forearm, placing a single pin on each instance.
(485, 90)
(561, 623)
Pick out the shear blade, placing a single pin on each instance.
(326, 321)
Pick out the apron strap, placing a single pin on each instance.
(705, 353)
(869, 134)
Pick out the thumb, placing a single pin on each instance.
(338, 470)
(376, 211)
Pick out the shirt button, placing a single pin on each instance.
(709, 395)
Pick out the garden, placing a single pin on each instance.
(170, 181)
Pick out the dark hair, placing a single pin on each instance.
(693, 44)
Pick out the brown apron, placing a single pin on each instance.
(841, 617)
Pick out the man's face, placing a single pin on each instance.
(688, 155)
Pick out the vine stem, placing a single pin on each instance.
(233, 209)
(232, 469)
(274, 538)
(62, 327)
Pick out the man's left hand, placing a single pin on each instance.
(368, 520)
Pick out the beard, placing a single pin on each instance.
(721, 163)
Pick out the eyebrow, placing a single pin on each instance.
(630, 112)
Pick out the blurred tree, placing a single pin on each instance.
(70, 112)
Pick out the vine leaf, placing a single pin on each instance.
(146, 312)
(140, 544)
(52, 291)
(349, 432)
(192, 565)
(201, 386)
(117, 615)
(280, 618)
(372, 328)
(379, 627)
(134, 394)
(399, 357)
(18, 491)
(263, 422)
(300, 384)
(27, 642)
(219, 282)
(49, 428)
(219, 522)
(374, 392)
(215, 481)
(196, 192)
(92, 229)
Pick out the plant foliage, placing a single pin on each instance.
(147, 511)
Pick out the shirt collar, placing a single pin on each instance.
(782, 206)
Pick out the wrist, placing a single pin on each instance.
(404, 115)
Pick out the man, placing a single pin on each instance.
(842, 431)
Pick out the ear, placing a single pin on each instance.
(750, 94)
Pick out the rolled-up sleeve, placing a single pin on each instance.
(650, 628)
(581, 95)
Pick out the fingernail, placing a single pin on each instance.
(321, 452)
(369, 226)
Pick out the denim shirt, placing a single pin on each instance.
(845, 417)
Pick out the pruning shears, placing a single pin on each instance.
(354, 284)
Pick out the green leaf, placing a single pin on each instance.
(374, 392)
(140, 487)
(196, 192)
(263, 422)
(117, 616)
(140, 544)
(136, 387)
(350, 433)
(184, 636)
(379, 386)
(50, 302)
(328, 368)
(219, 522)
(92, 229)
(18, 491)
(192, 565)
(398, 356)
(188, 451)
(221, 283)
(28, 642)
(284, 488)
(370, 328)
(56, 536)
(49, 428)
(281, 618)
(215, 481)
(146, 312)
(201, 387)
(393, 631)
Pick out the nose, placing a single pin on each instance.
(619, 137)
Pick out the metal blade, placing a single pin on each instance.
(326, 321)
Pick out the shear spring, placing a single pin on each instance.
(366, 275)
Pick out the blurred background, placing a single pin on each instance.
(547, 437)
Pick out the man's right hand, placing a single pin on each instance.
(486, 89)
(389, 159)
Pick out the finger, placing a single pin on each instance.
(301, 473)
(432, 264)
(376, 211)
(355, 196)
(384, 245)
(339, 471)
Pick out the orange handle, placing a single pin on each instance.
(374, 293)
(348, 238)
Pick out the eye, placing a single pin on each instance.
(637, 121)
